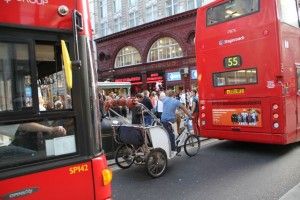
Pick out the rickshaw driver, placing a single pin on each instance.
(170, 104)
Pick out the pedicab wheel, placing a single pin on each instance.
(156, 162)
(124, 156)
(192, 145)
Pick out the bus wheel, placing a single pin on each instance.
(156, 162)
(124, 156)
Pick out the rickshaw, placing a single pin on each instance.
(149, 145)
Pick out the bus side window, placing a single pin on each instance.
(298, 81)
(298, 9)
(15, 79)
(53, 93)
(289, 12)
(33, 141)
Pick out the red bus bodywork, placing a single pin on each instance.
(43, 14)
(80, 178)
(266, 44)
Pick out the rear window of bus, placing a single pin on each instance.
(230, 10)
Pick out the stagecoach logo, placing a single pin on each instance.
(36, 2)
(20, 193)
(230, 41)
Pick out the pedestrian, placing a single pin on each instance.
(160, 105)
(195, 112)
(153, 98)
(168, 117)
(147, 103)
(137, 110)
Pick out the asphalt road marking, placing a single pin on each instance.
(293, 194)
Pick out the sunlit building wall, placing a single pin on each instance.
(112, 16)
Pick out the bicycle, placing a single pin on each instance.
(150, 145)
(187, 139)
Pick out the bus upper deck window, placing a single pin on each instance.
(230, 10)
(15, 79)
(53, 93)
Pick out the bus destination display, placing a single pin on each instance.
(232, 61)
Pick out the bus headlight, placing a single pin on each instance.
(107, 176)
(276, 125)
(202, 115)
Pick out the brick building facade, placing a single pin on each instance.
(178, 73)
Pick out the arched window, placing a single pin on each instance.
(163, 49)
(127, 56)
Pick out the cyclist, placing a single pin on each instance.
(168, 117)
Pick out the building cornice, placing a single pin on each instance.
(149, 25)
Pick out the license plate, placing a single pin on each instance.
(235, 91)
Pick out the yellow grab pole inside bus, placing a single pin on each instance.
(67, 64)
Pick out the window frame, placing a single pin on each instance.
(188, 2)
(229, 85)
(117, 24)
(151, 11)
(133, 17)
(33, 71)
(103, 28)
(117, 6)
(30, 37)
(172, 6)
(132, 5)
(122, 56)
(230, 19)
(297, 12)
(164, 47)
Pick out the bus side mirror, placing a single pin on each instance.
(67, 64)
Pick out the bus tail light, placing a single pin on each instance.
(275, 116)
(202, 114)
(276, 125)
(275, 106)
(107, 176)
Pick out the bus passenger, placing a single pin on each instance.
(27, 128)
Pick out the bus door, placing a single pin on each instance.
(298, 97)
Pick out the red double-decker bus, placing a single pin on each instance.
(50, 139)
(248, 59)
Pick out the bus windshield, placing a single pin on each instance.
(231, 10)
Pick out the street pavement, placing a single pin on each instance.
(222, 170)
(293, 194)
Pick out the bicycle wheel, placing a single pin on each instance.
(124, 156)
(192, 145)
(156, 163)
